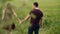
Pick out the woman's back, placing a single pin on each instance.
(8, 16)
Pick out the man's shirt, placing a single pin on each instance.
(36, 15)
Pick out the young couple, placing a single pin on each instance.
(35, 16)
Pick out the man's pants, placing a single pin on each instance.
(33, 28)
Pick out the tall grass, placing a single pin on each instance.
(51, 19)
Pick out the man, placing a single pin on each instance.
(7, 21)
(36, 19)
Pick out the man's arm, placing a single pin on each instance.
(16, 16)
(27, 17)
(40, 22)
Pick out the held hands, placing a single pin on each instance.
(20, 21)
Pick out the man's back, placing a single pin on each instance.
(36, 15)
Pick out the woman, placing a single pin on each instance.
(8, 24)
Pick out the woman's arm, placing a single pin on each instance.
(16, 16)
(3, 16)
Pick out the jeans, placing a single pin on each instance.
(33, 28)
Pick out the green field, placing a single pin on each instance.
(51, 18)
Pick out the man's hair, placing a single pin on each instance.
(35, 4)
